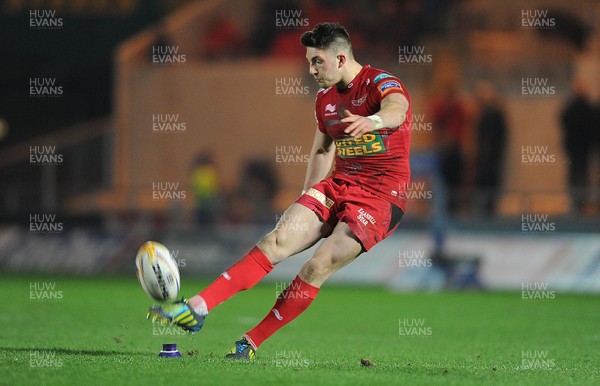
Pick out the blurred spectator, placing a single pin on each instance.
(253, 202)
(491, 135)
(281, 22)
(449, 118)
(320, 11)
(286, 45)
(577, 121)
(161, 41)
(380, 26)
(223, 39)
(343, 12)
(389, 24)
(206, 189)
(265, 29)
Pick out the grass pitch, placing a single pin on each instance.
(94, 332)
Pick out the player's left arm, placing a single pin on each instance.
(391, 114)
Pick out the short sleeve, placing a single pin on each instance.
(318, 101)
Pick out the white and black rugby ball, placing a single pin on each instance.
(157, 271)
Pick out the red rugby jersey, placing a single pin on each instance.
(379, 160)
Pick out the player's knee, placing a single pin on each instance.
(308, 272)
(274, 245)
(316, 271)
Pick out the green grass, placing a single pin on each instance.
(97, 334)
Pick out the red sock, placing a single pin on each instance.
(290, 303)
(241, 276)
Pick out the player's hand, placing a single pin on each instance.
(358, 125)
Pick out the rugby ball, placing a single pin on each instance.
(157, 271)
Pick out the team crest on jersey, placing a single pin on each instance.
(359, 101)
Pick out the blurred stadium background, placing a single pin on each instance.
(190, 123)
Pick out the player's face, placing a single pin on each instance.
(324, 66)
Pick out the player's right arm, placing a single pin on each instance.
(320, 159)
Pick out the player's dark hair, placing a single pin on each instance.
(327, 35)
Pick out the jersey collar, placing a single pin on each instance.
(356, 78)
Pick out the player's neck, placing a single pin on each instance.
(353, 69)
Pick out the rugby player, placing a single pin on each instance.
(363, 123)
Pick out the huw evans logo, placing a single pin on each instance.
(47, 359)
(290, 87)
(168, 123)
(290, 222)
(40, 291)
(285, 290)
(168, 191)
(413, 327)
(290, 19)
(181, 263)
(167, 55)
(161, 328)
(537, 155)
(536, 359)
(44, 19)
(290, 359)
(417, 191)
(44, 223)
(44, 155)
(537, 87)
(536, 290)
(413, 55)
(536, 223)
(419, 123)
(290, 155)
(537, 19)
(44, 87)
(410, 258)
